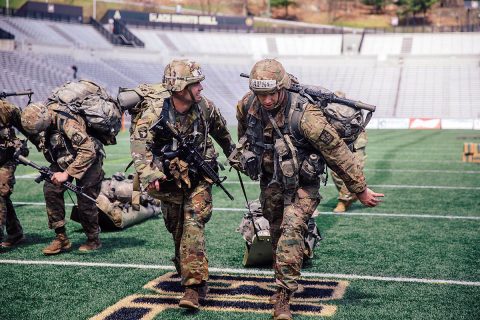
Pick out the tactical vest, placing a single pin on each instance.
(165, 149)
(293, 112)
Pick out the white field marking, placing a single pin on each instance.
(240, 271)
(413, 160)
(394, 186)
(425, 171)
(375, 214)
(34, 175)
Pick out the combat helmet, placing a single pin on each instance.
(268, 76)
(180, 73)
(36, 118)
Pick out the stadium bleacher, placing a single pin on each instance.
(405, 75)
(53, 33)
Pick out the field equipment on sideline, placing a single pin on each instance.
(28, 93)
(255, 230)
(187, 151)
(46, 174)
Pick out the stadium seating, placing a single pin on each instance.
(422, 44)
(404, 75)
(53, 33)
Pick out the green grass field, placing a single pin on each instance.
(416, 256)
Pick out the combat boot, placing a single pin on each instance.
(203, 291)
(10, 242)
(343, 205)
(190, 298)
(58, 245)
(274, 297)
(90, 245)
(281, 309)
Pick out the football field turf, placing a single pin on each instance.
(416, 256)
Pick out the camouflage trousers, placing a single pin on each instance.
(87, 209)
(185, 213)
(8, 217)
(343, 193)
(288, 220)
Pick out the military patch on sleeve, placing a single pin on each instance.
(326, 137)
(142, 133)
(78, 138)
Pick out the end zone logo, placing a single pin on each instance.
(237, 293)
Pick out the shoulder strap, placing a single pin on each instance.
(295, 112)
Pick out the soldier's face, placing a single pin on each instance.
(196, 90)
(268, 100)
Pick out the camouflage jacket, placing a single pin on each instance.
(67, 143)
(202, 120)
(10, 116)
(316, 135)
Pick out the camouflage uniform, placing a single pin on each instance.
(9, 119)
(287, 206)
(186, 198)
(68, 147)
(359, 151)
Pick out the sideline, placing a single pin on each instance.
(242, 271)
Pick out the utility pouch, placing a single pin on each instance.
(289, 174)
(249, 163)
(310, 170)
(281, 147)
(65, 161)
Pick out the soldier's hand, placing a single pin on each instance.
(59, 177)
(154, 185)
(369, 198)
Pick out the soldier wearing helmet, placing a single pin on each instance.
(358, 147)
(9, 144)
(185, 194)
(288, 141)
(73, 154)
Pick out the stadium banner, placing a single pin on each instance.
(178, 20)
(424, 123)
(51, 11)
(393, 123)
(457, 124)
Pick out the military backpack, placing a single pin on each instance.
(102, 114)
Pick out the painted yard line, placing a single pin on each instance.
(399, 186)
(413, 160)
(240, 271)
(379, 214)
(34, 175)
(425, 171)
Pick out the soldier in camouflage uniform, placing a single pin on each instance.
(345, 197)
(287, 142)
(72, 153)
(186, 197)
(9, 144)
